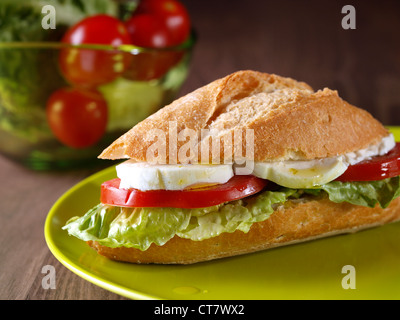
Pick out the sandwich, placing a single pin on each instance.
(249, 162)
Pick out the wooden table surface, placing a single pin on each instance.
(300, 39)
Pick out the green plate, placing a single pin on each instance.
(310, 270)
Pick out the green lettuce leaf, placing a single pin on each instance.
(140, 227)
(368, 193)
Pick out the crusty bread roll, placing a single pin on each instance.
(290, 121)
(294, 222)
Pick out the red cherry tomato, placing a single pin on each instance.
(147, 30)
(377, 168)
(174, 15)
(77, 117)
(151, 65)
(236, 188)
(156, 24)
(91, 67)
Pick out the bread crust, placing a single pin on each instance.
(295, 221)
(289, 119)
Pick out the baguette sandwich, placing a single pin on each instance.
(248, 162)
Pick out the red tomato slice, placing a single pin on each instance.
(377, 168)
(236, 188)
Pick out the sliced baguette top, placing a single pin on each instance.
(289, 119)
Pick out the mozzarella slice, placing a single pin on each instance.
(383, 147)
(301, 174)
(312, 173)
(291, 174)
(145, 176)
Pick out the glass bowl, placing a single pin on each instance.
(133, 82)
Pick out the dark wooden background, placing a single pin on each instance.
(305, 40)
(299, 39)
